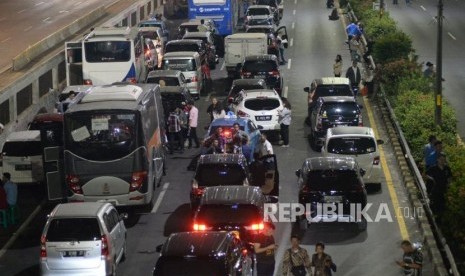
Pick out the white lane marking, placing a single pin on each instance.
(293, 25)
(451, 36)
(27, 29)
(289, 63)
(63, 11)
(286, 89)
(222, 66)
(46, 19)
(423, 8)
(295, 1)
(77, 3)
(6, 39)
(21, 11)
(434, 18)
(291, 42)
(293, 12)
(160, 197)
(38, 4)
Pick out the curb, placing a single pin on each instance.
(430, 245)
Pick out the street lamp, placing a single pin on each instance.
(438, 86)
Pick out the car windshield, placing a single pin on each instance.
(22, 148)
(258, 104)
(239, 214)
(238, 88)
(334, 180)
(345, 109)
(333, 90)
(101, 136)
(258, 11)
(107, 51)
(220, 174)
(271, 3)
(164, 81)
(351, 145)
(183, 65)
(260, 66)
(182, 47)
(73, 229)
(188, 266)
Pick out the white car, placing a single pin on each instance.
(357, 142)
(260, 12)
(262, 106)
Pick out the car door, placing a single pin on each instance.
(110, 224)
(271, 187)
(281, 32)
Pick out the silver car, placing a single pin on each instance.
(86, 238)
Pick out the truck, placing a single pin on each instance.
(240, 45)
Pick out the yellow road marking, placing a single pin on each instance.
(387, 174)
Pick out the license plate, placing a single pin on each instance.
(23, 167)
(263, 118)
(259, 77)
(74, 253)
(341, 125)
(333, 199)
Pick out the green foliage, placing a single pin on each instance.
(392, 46)
(377, 27)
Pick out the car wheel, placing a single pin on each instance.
(362, 225)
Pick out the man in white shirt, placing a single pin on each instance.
(265, 148)
(193, 121)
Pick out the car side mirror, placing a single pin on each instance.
(362, 172)
(380, 142)
(298, 172)
(159, 248)
(307, 89)
(123, 216)
(260, 127)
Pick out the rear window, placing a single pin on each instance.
(183, 65)
(220, 174)
(260, 66)
(240, 214)
(237, 88)
(259, 30)
(260, 21)
(73, 229)
(258, 11)
(333, 90)
(188, 266)
(337, 180)
(346, 109)
(164, 81)
(173, 47)
(258, 104)
(203, 38)
(351, 145)
(19, 148)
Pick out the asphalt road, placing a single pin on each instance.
(25, 22)
(418, 21)
(314, 43)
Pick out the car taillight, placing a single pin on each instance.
(274, 73)
(241, 113)
(137, 179)
(255, 227)
(360, 120)
(147, 53)
(357, 189)
(200, 227)
(245, 73)
(73, 183)
(376, 160)
(105, 251)
(131, 80)
(43, 249)
(87, 82)
(194, 79)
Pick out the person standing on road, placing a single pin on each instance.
(265, 248)
(432, 158)
(429, 71)
(285, 122)
(337, 66)
(412, 260)
(442, 174)
(246, 149)
(322, 262)
(354, 75)
(175, 132)
(202, 27)
(11, 189)
(207, 76)
(213, 107)
(265, 147)
(193, 122)
(296, 260)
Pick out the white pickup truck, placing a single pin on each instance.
(238, 46)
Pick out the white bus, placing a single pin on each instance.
(106, 55)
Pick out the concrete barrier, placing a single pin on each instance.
(37, 49)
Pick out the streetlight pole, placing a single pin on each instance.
(438, 87)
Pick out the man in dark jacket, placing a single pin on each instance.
(354, 75)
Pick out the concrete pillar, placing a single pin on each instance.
(35, 92)
(55, 81)
(13, 109)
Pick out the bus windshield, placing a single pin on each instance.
(101, 137)
(107, 51)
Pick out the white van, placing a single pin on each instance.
(359, 143)
(190, 66)
(22, 157)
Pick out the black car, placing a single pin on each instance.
(244, 84)
(329, 86)
(188, 45)
(334, 181)
(231, 208)
(173, 97)
(218, 170)
(333, 112)
(263, 67)
(204, 254)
